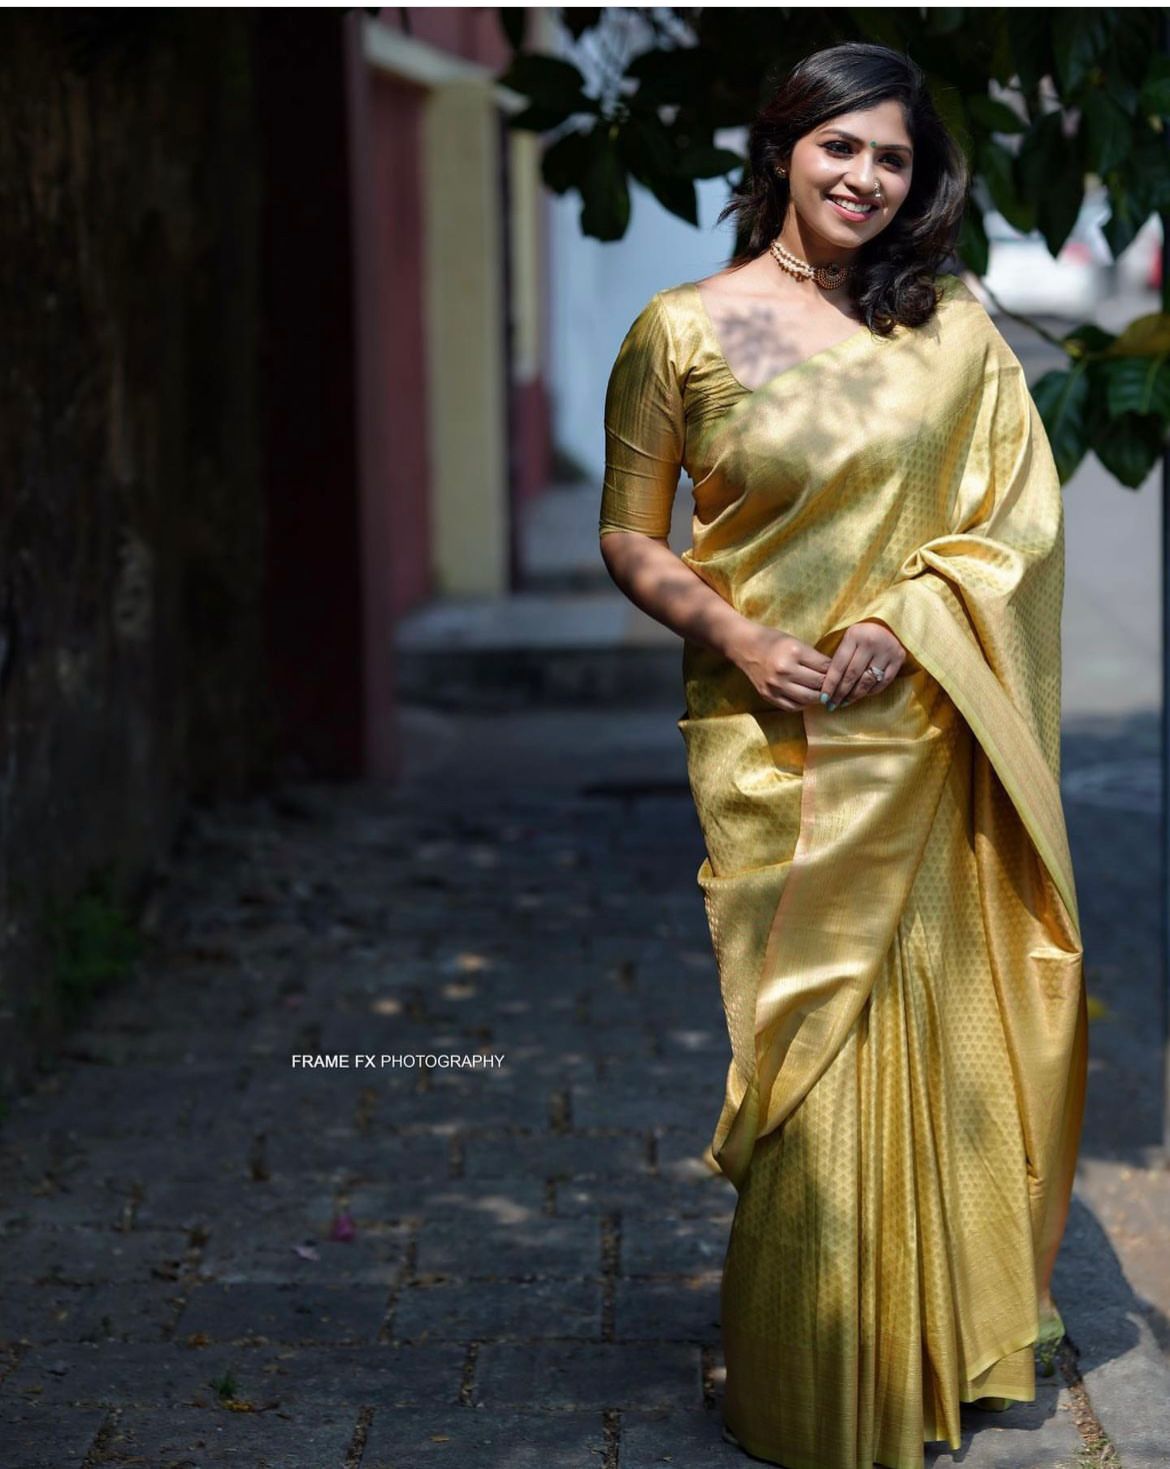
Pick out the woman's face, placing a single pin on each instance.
(837, 160)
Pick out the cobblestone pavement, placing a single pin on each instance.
(212, 1257)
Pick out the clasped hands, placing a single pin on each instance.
(792, 674)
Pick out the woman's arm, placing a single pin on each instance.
(783, 669)
(649, 573)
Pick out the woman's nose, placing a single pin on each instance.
(862, 179)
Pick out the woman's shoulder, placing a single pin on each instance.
(667, 307)
(951, 287)
(669, 322)
(970, 322)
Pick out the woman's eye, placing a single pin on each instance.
(893, 158)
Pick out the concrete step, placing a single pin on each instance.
(536, 647)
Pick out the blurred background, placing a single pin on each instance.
(322, 723)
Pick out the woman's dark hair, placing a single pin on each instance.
(892, 281)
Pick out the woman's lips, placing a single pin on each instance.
(849, 213)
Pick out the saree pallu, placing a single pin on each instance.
(888, 885)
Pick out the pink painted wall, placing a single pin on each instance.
(472, 32)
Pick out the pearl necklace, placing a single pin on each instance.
(828, 276)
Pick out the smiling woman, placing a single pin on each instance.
(870, 612)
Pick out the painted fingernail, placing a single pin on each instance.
(832, 706)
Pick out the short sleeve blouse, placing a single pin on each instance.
(645, 428)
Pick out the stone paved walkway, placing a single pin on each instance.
(212, 1258)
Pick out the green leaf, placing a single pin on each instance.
(1078, 38)
(997, 171)
(707, 162)
(948, 103)
(577, 19)
(1145, 336)
(1130, 446)
(1062, 398)
(666, 77)
(646, 147)
(1155, 93)
(972, 245)
(1138, 385)
(1050, 172)
(940, 21)
(547, 81)
(1107, 131)
(605, 192)
(1126, 217)
(1145, 175)
(537, 119)
(878, 25)
(678, 196)
(514, 22)
(567, 161)
(1134, 43)
(1086, 338)
(994, 116)
(1028, 30)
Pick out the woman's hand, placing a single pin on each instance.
(785, 671)
(862, 645)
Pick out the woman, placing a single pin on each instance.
(871, 615)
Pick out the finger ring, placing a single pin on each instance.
(878, 673)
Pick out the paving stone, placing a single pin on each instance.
(136, 1100)
(102, 1204)
(512, 1250)
(604, 1104)
(702, 1195)
(477, 1437)
(574, 1155)
(499, 1311)
(309, 1438)
(39, 1437)
(108, 1374)
(1037, 1435)
(672, 1245)
(473, 1201)
(607, 1375)
(323, 920)
(64, 1313)
(679, 1153)
(292, 1153)
(81, 1256)
(684, 1440)
(78, 1164)
(275, 1249)
(189, 1203)
(483, 1101)
(399, 1375)
(683, 1308)
(289, 1313)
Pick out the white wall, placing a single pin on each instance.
(597, 289)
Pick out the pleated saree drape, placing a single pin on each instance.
(889, 888)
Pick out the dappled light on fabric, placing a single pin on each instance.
(888, 885)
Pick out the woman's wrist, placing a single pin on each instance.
(740, 639)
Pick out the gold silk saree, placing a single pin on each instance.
(888, 885)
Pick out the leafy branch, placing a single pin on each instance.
(1044, 103)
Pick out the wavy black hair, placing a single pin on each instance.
(892, 279)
